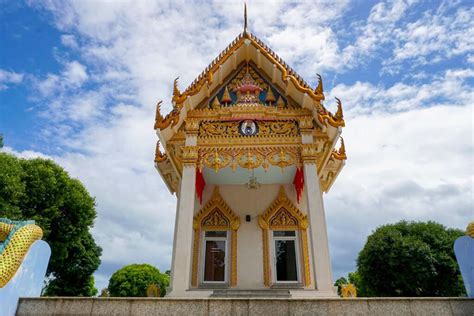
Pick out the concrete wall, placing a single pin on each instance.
(249, 243)
(145, 306)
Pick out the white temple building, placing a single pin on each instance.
(249, 149)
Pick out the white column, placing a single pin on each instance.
(317, 228)
(183, 236)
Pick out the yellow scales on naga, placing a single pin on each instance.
(249, 149)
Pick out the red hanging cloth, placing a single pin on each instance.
(200, 184)
(298, 181)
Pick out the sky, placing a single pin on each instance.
(79, 81)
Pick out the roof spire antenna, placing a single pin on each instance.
(245, 17)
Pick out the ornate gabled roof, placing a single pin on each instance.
(206, 74)
(207, 77)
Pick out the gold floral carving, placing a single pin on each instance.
(265, 128)
(189, 155)
(311, 153)
(215, 215)
(255, 111)
(306, 123)
(248, 157)
(192, 126)
(215, 220)
(283, 219)
(284, 215)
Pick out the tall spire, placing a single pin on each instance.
(245, 17)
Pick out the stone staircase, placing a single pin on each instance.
(271, 293)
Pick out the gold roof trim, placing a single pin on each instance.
(257, 111)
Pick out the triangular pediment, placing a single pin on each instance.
(245, 49)
(247, 86)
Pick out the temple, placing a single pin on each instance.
(249, 149)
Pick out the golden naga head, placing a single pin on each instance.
(319, 88)
(159, 156)
(339, 115)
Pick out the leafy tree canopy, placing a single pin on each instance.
(41, 190)
(409, 259)
(133, 280)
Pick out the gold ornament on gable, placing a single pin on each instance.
(248, 157)
(265, 128)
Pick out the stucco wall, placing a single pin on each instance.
(166, 306)
(249, 243)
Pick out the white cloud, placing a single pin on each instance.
(435, 37)
(73, 75)
(361, 98)
(69, 41)
(9, 78)
(377, 31)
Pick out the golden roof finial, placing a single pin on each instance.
(226, 96)
(339, 115)
(270, 97)
(245, 17)
(319, 88)
(215, 103)
(280, 103)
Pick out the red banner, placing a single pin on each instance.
(298, 181)
(200, 184)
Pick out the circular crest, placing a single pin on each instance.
(248, 128)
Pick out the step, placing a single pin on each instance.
(251, 293)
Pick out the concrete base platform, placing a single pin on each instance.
(244, 306)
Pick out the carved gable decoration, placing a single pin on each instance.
(248, 88)
(283, 219)
(288, 128)
(283, 214)
(216, 214)
(215, 219)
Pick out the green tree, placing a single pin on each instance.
(41, 190)
(1, 141)
(133, 280)
(410, 259)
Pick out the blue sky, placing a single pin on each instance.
(79, 82)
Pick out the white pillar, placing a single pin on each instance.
(318, 231)
(183, 236)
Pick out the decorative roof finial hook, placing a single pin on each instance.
(245, 17)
